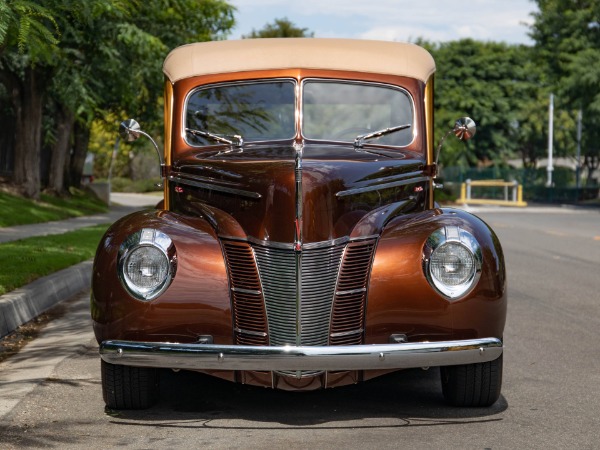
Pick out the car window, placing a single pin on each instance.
(255, 111)
(334, 110)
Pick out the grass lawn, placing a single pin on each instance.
(23, 261)
(16, 210)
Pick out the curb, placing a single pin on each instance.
(27, 302)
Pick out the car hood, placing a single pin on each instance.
(292, 193)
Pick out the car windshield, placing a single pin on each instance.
(341, 111)
(331, 111)
(255, 111)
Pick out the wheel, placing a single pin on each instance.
(472, 384)
(125, 387)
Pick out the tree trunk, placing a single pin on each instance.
(591, 163)
(61, 149)
(80, 147)
(27, 98)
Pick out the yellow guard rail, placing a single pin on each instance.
(516, 199)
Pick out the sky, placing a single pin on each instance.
(394, 20)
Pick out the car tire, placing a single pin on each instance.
(125, 387)
(472, 384)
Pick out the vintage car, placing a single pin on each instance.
(299, 245)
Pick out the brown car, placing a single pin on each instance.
(299, 245)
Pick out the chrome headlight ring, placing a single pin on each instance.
(147, 263)
(452, 261)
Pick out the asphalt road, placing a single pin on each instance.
(50, 393)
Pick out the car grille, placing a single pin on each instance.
(348, 315)
(249, 319)
(327, 309)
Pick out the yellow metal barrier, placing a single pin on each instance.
(515, 200)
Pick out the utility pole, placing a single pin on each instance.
(578, 169)
(112, 162)
(550, 139)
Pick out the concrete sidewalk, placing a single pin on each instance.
(23, 304)
(122, 204)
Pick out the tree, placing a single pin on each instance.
(280, 28)
(567, 37)
(504, 89)
(28, 24)
(79, 59)
(28, 39)
(140, 42)
(141, 45)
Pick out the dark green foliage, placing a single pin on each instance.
(567, 36)
(504, 89)
(79, 60)
(280, 28)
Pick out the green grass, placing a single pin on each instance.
(15, 210)
(23, 261)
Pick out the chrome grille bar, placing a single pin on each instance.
(312, 297)
(308, 324)
(277, 269)
(348, 316)
(247, 300)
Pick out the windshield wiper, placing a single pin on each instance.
(236, 140)
(360, 139)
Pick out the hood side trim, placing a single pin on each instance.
(214, 187)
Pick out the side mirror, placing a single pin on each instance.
(130, 130)
(464, 129)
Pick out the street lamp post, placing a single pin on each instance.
(578, 168)
(550, 139)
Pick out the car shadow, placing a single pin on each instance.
(406, 398)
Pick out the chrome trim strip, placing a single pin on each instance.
(323, 244)
(298, 244)
(249, 332)
(214, 187)
(402, 176)
(305, 246)
(378, 187)
(350, 357)
(346, 333)
(272, 244)
(226, 173)
(364, 238)
(246, 291)
(352, 291)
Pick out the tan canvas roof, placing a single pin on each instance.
(391, 58)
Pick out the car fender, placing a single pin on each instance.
(402, 302)
(197, 301)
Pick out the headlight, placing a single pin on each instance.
(452, 261)
(147, 263)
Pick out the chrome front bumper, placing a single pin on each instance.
(355, 357)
